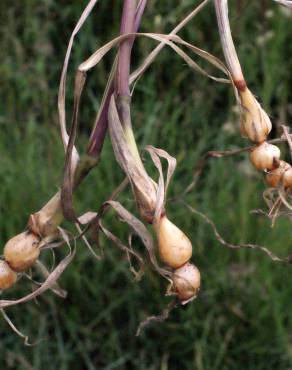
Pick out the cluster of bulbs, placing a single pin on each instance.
(256, 126)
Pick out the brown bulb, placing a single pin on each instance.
(276, 176)
(175, 248)
(255, 123)
(265, 156)
(287, 178)
(22, 251)
(187, 281)
(7, 276)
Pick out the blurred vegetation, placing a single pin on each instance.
(242, 318)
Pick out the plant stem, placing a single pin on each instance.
(101, 123)
(221, 7)
(122, 89)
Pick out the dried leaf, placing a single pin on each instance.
(155, 154)
(45, 273)
(62, 86)
(86, 242)
(141, 231)
(87, 217)
(150, 58)
(69, 167)
(48, 283)
(286, 3)
(170, 40)
(18, 332)
(128, 250)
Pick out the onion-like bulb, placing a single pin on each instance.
(287, 178)
(255, 123)
(276, 176)
(7, 276)
(265, 156)
(22, 251)
(186, 281)
(175, 248)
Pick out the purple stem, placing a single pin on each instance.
(100, 128)
(123, 70)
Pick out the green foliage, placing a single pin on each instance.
(242, 318)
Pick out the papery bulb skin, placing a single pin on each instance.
(255, 123)
(175, 248)
(22, 251)
(275, 177)
(287, 178)
(187, 282)
(146, 201)
(45, 222)
(265, 156)
(7, 276)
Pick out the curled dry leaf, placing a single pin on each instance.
(171, 41)
(87, 218)
(141, 231)
(55, 288)
(48, 283)
(62, 87)
(127, 249)
(156, 155)
(18, 332)
(69, 166)
(151, 57)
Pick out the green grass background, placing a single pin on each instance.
(242, 318)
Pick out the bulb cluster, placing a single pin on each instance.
(256, 126)
(20, 253)
(175, 251)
